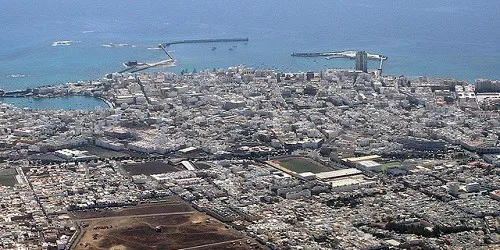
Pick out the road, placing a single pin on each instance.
(211, 245)
(141, 215)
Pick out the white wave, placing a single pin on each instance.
(109, 45)
(126, 45)
(17, 76)
(62, 43)
(88, 31)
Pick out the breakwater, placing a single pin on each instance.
(221, 40)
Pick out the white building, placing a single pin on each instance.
(369, 165)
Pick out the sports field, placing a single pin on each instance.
(302, 165)
(8, 177)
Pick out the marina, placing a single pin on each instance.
(74, 102)
(53, 97)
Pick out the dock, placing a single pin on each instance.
(221, 40)
(311, 54)
(351, 54)
(16, 93)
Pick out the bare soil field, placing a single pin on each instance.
(148, 168)
(159, 232)
(161, 208)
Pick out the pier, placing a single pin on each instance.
(16, 93)
(351, 54)
(222, 40)
(311, 54)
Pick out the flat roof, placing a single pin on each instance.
(188, 165)
(188, 149)
(345, 182)
(369, 163)
(305, 174)
(362, 158)
(338, 173)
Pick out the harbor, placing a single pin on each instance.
(361, 58)
(67, 97)
(134, 66)
(70, 102)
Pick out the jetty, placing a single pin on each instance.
(134, 66)
(221, 40)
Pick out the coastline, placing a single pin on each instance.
(89, 90)
(110, 104)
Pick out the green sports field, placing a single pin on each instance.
(302, 165)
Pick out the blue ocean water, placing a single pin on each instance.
(435, 38)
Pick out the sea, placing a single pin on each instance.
(458, 39)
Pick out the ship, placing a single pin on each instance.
(133, 64)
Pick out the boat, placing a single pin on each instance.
(214, 48)
(134, 64)
(130, 64)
